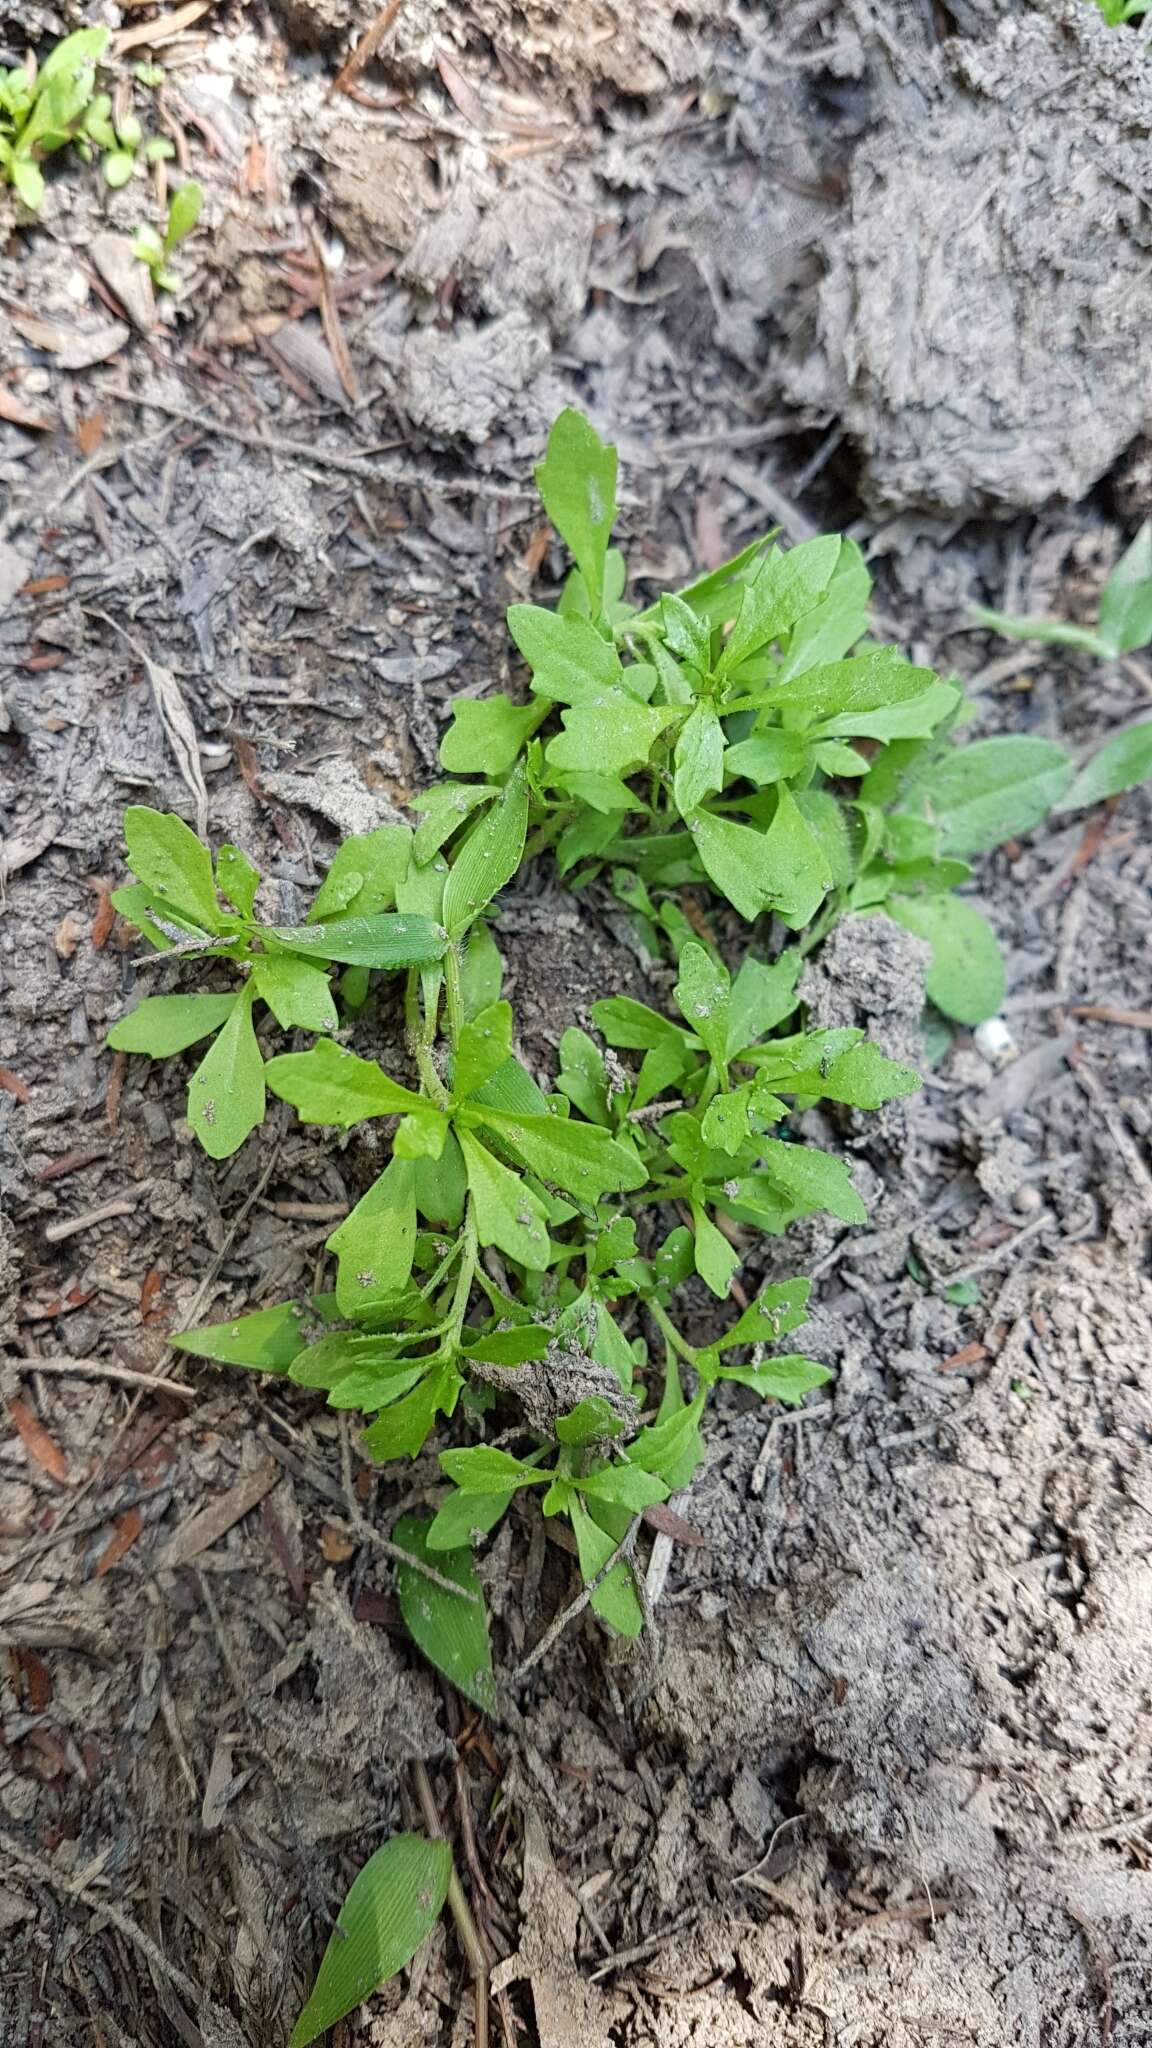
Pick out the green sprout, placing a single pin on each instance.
(154, 249)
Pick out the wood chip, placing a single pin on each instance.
(207, 1527)
(37, 1442)
(26, 846)
(13, 1085)
(366, 48)
(127, 278)
(75, 348)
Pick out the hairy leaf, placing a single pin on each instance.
(996, 789)
(966, 977)
(1121, 763)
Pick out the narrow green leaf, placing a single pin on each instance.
(767, 757)
(165, 854)
(511, 1347)
(183, 213)
(392, 1906)
(583, 1077)
(488, 858)
(577, 483)
(482, 1468)
(778, 1310)
(508, 1214)
(816, 1179)
(366, 872)
(702, 995)
(794, 863)
(404, 1428)
(297, 993)
(583, 1159)
(162, 1025)
(785, 587)
(716, 1259)
(484, 1045)
(237, 879)
(762, 996)
(835, 695)
(443, 809)
(589, 1421)
(966, 978)
(633, 1025)
(1122, 762)
(226, 1093)
(452, 1632)
(1056, 632)
(266, 1341)
(779, 1379)
(698, 762)
(464, 1518)
(628, 1485)
(1125, 620)
(733, 858)
(615, 1599)
(488, 734)
(995, 790)
(570, 661)
(375, 1243)
(328, 1085)
(386, 941)
(831, 629)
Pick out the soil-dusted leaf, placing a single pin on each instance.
(376, 1241)
(403, 1429)
(443, 809)
(328, 1085)
(778, 1310)
(762, 996)
(297, 993)
(464, 1517)
(1122, 763)
(590, 1420)
(816, 1179)
(162, 1025)
(176, 867)
(365, 873)
(993, 790)
(577, 483)
(583, 1077)
(702, 996)
(615, 1599)
(633, 1025)
(835, 696)
(237, 879)
(583, 1159)
(452, 1632)
(627, 1485)
(266, 1341)
(698, 762)
(831, 629)
(613, 737)
(570, 661)
(484, 1469)
(226, 1093)
(511, 1347)
(488, 858)
(796, 864)
(784, 588)
(716, 1259)
(508, 1214)
(861, 1076)
(487, 734)
(767, 757)
(779, 1379)
(387, 941)
(482, 1049)
(1125, 620)
(733, 858)
(392, 1906)
(966, 978)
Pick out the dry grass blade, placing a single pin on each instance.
(333, 332)
(176, 719)
(151, 34)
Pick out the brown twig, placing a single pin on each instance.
(101, 1369)
(559, 1624)
(1103, 1013)
(366, 48)
(466, 1928)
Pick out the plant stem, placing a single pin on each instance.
(470, 1937)
(454, 995)
(671, 1334)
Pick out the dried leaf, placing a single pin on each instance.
(125, 1530)
(151, 34)
(13, 1085)
(37, 1442)
(18, 414)
(127, 279)
(176, 719)
(75, 348)
(337, 1547)
(66, 937)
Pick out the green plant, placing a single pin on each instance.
(1117, 11)
(532, 1243)
(43, 109)
(154, 249)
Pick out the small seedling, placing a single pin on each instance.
(43, 109)
(154, 249)
(1117, 11)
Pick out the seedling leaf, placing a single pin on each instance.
(392, 1905)
(452, 1632)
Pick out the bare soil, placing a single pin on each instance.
(882, 1773)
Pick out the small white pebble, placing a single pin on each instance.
(995, 1042)
(1027, 1200)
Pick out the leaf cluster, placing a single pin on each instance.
(42, 108)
